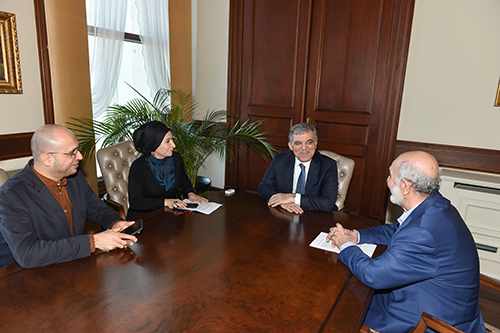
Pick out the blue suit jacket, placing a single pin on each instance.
(33, 227)
(321, 184)
(430, 265)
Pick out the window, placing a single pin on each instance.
(128, 45)
(132, 70)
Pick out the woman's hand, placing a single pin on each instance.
(175, 203)
(194, 197)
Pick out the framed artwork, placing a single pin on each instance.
(10, 67)
(497, 100)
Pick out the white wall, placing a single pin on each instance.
(210, 62)
(453, 74)
(23, 112)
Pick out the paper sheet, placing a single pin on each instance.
(320, 243)
(205, 208)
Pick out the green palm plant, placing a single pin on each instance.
(195, 139)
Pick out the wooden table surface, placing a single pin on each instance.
(244, 268)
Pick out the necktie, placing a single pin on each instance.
(301, 182)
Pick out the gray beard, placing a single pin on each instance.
(395, 198)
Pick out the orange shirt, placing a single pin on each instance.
(58, 189)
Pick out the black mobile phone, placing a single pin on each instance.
(134, 228)
(192, 205)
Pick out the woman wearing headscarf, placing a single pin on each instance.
(156, 176)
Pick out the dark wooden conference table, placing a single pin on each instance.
(244, 268)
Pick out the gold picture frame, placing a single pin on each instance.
(10, 66)
(497, 100)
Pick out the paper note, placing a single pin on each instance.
(205, 208)
(320, 243)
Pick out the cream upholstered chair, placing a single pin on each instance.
(345, 167)
(3, 176)
(115, 162)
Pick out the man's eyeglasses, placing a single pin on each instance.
(72, 154)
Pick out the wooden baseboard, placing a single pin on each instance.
(15, 145)
(466, 158)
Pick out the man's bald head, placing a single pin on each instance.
(49, 138)
(421, 169)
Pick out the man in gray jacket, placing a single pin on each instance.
(44, 207)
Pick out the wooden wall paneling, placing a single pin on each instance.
(274, 43)
(340, 63)
(43, 55)
(343, 90)
(357, 60)
(466, 158)
(15, 145)
(393, 92)
(234, 82)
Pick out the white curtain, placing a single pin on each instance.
(108, 19)
(153, 20)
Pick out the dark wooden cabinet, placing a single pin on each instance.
(340, 63)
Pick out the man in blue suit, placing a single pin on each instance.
(302, 178)
(431, 263)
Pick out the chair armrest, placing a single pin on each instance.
(115, 205)
(489, 300)
(366, 329)
(490, 282)
(344, 209)
(426, 320)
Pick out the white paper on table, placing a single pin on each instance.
(205, 208)
(320, 243)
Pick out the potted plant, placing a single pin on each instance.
(195, 139)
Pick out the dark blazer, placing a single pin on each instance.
(33, 225)
(145, 194)
(431, 264)
(321, 184)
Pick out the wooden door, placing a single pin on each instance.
(269, 43)
(340, 63)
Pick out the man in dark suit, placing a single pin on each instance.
(430, 264)
(44, 207)
(302, 178)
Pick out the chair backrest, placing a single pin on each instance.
(3, 176)
(428, 321)
(115, 162)
(345, 167)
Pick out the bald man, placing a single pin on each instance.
(44, 207)
(431, 263)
